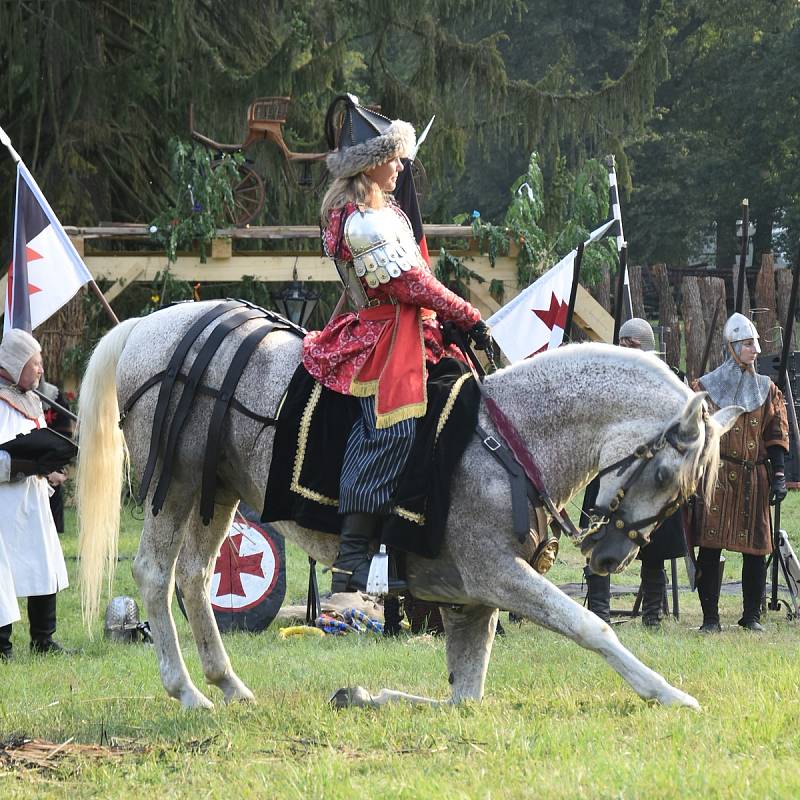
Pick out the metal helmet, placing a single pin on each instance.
(739, 327)
(122, 622)
(639, 330)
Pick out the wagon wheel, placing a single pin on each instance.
(421, 184)
(248, 196)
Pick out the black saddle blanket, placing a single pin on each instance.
(312, 431)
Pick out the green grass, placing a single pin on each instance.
(556, 721)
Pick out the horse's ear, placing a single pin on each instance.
(725, 417)
(691, 422)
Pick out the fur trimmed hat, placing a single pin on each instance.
(365, 138)
(640, 331)
(16, 350)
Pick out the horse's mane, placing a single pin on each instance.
(651, 373)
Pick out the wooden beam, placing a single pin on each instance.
(123, 282)
(139, 230)
(592, 318)
(266, 267)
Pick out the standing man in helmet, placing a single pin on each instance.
(750, 476)
(31, 561)
(667, 541)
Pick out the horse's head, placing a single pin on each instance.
(641, 485)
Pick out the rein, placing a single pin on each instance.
(509, 449)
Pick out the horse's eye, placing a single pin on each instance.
(662, 475)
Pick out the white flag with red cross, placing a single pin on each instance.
(534, 320)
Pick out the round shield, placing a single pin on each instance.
(249, 580)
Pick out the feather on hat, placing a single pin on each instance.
(365, 138)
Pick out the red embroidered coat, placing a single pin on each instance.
(381, 350)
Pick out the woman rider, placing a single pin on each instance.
(379, 351)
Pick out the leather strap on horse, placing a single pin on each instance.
(165, 392)
(221, 405)
(522, 490)
(199, 366)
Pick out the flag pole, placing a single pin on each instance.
(573, 292)
(624, 290)
(741, 279)
(6, 140)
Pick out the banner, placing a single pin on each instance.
(46, 271)
(534, 320)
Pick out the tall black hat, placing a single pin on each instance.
(364, 138)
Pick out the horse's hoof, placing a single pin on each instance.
(351, 696)
(676, 697)
(195, 700)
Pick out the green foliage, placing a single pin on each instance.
(200, 194)
(454, 273)
(547, 227)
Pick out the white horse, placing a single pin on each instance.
(578, 409)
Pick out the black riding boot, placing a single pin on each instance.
(5, 642)
(351, 568)
(598, 594)
(654, 584)
(754, 576)
(708, 577)
(42, 619)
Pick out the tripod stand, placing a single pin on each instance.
(783, 560)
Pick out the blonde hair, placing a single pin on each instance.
(357, 189)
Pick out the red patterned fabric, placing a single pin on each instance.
(336, 355)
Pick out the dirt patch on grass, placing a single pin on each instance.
(20, 752)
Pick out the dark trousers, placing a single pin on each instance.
(42, 620)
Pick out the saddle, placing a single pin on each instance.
(165, 434)
(310, 439)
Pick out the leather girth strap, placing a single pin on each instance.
(522, 490)
(221, 405)
(198, 368)
(165, 391)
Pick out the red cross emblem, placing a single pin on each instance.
(246, 568)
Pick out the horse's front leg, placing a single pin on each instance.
(195, 569)
(521, 589)
(470, 632)
(154, 571)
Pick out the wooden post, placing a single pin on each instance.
(766, 320)
(744, 306)
(601, 291)
(694, 328)
(712, 292)
(783, 281)
(637, 291)
(667, 315)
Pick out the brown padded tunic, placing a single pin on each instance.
(738, 516)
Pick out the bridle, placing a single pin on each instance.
(601, 518)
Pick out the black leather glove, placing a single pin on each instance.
(452, 334)
(481, 336)
(778, 489)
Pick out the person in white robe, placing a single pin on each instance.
(31, 560)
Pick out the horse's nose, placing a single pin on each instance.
(605, 565)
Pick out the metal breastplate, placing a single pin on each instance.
(382, 245)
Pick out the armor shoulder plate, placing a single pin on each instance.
(382, 244)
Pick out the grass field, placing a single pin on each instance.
(556, 721)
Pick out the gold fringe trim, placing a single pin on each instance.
(419, 519)
(413, 411)
(451, 401)
(300, 455)
(363, 388)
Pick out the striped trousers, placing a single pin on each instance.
(373, 461)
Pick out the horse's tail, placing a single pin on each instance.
(102, 463)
